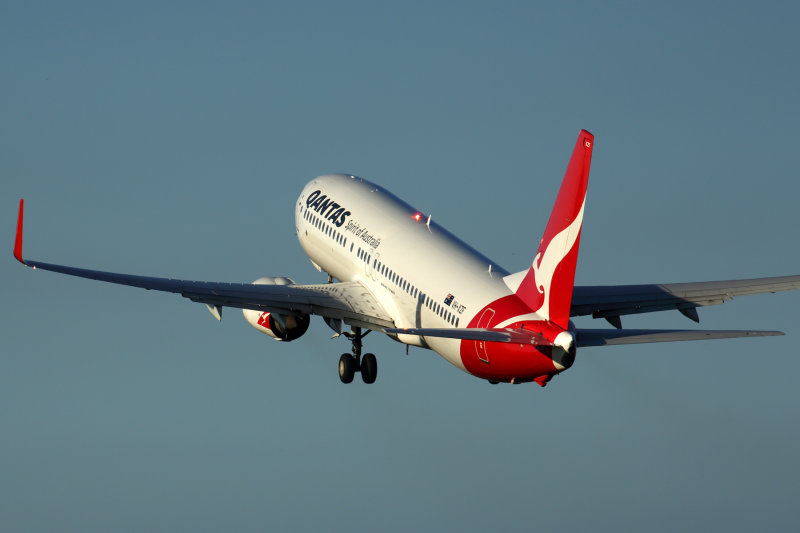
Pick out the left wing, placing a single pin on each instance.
(350, 302)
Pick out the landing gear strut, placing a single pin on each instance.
(350, 364)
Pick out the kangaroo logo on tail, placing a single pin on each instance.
(547, 287)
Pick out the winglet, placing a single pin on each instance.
(18, 241)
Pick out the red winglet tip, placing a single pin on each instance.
(18, 241)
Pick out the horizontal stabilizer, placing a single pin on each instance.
(476, 334)
(608, 337)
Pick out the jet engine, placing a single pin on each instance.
(282, 327)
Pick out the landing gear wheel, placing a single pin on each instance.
(347, 367)
(369, 368)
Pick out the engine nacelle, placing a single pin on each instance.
(280, 327)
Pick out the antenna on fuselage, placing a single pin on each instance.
(428, 223)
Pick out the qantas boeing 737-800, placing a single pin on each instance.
(404, 275)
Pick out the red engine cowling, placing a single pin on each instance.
(278, 326)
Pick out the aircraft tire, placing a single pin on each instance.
(347, 367)
(369, 368)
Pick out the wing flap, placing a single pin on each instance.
(610, 337)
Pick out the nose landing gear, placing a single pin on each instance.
(350, 364)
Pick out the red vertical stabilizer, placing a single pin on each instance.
(547, 287)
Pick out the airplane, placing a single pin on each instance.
(394, 270)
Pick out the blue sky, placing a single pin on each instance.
(172, 139)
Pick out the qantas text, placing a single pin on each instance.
(326, 207)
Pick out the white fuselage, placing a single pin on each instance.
(421, 274)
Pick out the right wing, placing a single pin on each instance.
(613, 301)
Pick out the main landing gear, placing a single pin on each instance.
(349, 364)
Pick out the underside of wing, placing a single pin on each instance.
(350, 302)
(613, 301)
(609, 337)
